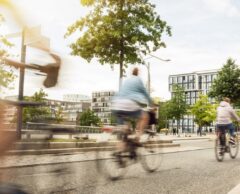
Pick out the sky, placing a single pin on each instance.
(205, 33)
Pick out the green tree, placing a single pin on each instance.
(203, 111)
(88, 118)
(177, 107)
(31, 114)
(6, 74)
(227, 83)
(118, 32)
(162, 115)
(58, 115)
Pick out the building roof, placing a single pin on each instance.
(197, 72)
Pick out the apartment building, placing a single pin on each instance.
(194, 84)
(101, 103)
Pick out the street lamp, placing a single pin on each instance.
(148, 69)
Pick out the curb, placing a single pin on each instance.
(72, 150)
(61, 145)
(197, 138)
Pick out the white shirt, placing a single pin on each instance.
(125, 105)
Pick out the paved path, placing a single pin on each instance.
(191, 172)
(33, 160)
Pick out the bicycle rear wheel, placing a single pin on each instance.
(151, 153)
(111, 164)
(234, 148)
(219, 152)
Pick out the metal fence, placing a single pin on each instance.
(77, 128)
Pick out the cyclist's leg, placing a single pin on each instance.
(123, 119)
(141, 124)
(232, 133)
(221, 130)
(231, 129)
(121, 145)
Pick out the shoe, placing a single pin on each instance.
(232, 141)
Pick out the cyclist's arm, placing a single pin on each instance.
(234, 115)
(144, 91)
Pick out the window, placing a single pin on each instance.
(179, 79)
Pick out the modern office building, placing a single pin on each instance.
(70, 110)
(101, 103)
(194, 84)
(76, 98)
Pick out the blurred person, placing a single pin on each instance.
(225, 114)
(130, 100)
(174, 131)
(7, 138)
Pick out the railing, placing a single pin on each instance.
(71, 128)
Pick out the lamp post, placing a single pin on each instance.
(148, 69)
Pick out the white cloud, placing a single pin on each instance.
(223, 6)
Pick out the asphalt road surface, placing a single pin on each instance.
(190, 172)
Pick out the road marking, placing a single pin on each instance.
(235, 190)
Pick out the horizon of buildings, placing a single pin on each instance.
(74, 104)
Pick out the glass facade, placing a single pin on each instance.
(101, 103)
(193, 85)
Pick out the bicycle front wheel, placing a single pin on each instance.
(234, 147)
(151, 153)
(111, 163)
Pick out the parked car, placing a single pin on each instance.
(164, 130)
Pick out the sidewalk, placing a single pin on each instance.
(189, 136)
(11, 161)
(16, 161)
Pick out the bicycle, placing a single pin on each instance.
(229, 147)
(112, 164)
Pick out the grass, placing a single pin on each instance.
(59, 140)
(71, 140)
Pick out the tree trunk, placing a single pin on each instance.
(121, 59)
(178, 124)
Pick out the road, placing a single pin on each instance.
(189, 172)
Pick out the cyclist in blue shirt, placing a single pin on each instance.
(130, 100)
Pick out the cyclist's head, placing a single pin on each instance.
(226, 99)
(135, 71)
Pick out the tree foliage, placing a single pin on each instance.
(58, 115)
(227, 83)
(177, 106)
(118, 32)
(6, 74)
(162, 115)
(31, 114)
(42, 113)
(88, 118)
(204, 111)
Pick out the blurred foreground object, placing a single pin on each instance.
(6, 138)
(51, 69)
